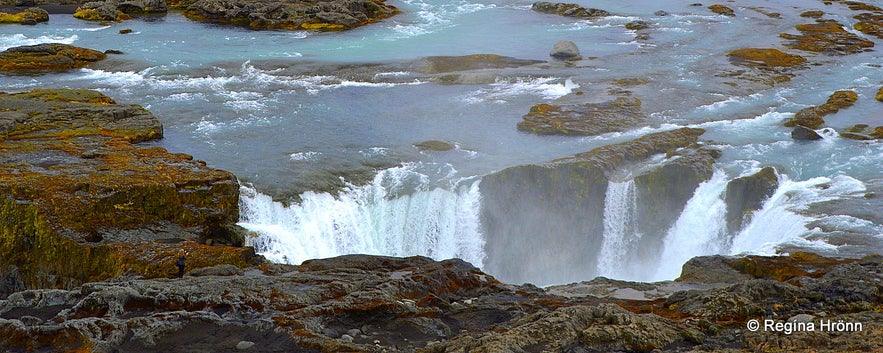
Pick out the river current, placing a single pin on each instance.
(287, 111)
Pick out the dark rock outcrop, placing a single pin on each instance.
(827, 37)
(361, 304)
(29, 16)
(86, 203)
(812, 117)
(746, 195)
(41, 58)
(117, 10)
(555, 211)
(569, 10)
(583, 119)
(803, 133)
(333, 15)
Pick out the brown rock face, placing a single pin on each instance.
(584, 120)
(812, 117)
(47, 57)
(827, 37)
(559, 206)
(87, 203)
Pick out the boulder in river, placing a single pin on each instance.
(803, 133)
(564, 50)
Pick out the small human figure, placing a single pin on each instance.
(182, 256)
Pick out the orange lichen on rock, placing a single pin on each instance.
(765, 57)
(828, 37)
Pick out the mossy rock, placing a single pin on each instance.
(434, 145)
(86, 203)
(765, 58)
(879, 96)
(870, 23)
(722, 10)
(30, 16)
(812, 14)
(46, 58)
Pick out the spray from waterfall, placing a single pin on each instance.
(399, 214)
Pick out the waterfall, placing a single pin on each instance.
(398, 214)
(778, 221)
(699, 230)
(620, 231)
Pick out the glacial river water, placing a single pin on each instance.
(286, 111)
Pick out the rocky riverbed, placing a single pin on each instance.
(360, 303)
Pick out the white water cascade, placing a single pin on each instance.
(700, 229)
(620, 231)
(398, 214)
(778, 222)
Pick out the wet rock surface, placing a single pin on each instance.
(328, 15)
(117, 10)
(360, 303)
(89, 203)
(41, 58)
(746, 195)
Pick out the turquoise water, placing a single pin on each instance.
(278, 108)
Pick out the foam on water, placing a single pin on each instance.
(546, 87)
(14, 40)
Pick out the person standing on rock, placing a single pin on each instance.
(182, 256)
